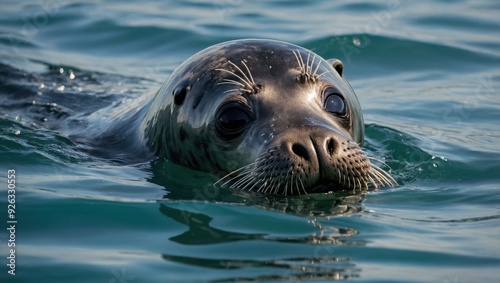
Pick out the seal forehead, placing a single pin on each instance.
(263, 53)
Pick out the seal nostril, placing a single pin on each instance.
(180, 94)
(300, 150)
(330, 146)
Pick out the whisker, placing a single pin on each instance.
(297, 57)
(270, 175)
(227, 71)
(239, 77)
(244, 176)
(378, 181)
(247, 176)
(273, 188)
(234, 172)
(265, 182)
(272, 183)
(231, 90)
(382, 176)
(359, 185)
(307, 63)
(262, 179)
(386, 175)
(270, 188)
(246, 80)
(262, 186)
(378, 160)
(317, 66)
(287, 183)
(340, 176)
(311, 66)
(231, 82)
(302, 61)
(277, 185)
(296, 184)
(250, 182)
(249, 73)
(302, 184)
(231, 180)
(373, 182)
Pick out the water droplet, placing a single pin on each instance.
(61, 88)
(71, 75)
(42, 85)
(61, 70)
(356, 41)
(17, 132)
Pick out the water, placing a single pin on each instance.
(427, 75)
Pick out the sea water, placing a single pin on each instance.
(426, 73)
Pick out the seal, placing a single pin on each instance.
(262, 115)
(265, 116)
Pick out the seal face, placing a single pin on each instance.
(265, 116)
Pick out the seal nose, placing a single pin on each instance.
(330, 146)
(325, 148)
(300, 151)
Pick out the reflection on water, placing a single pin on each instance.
(322, 264)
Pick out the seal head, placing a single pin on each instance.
(265, 116)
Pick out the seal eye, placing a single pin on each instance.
(232, 122)
(334, 102)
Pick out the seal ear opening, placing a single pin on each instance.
(337, 65)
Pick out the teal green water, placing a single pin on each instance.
(427, 74)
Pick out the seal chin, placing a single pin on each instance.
(333, 188)
(326, 188)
